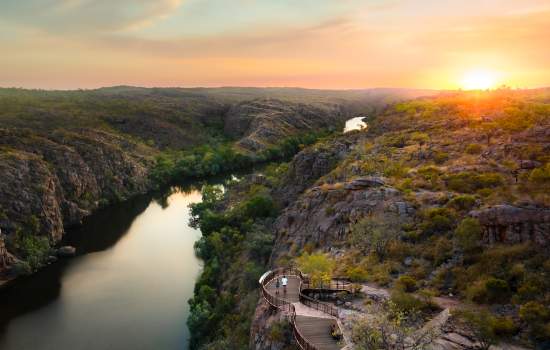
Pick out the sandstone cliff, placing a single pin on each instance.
(61, 177)
(511, 224)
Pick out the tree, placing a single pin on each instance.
(392, 330)
(374, 233)
(468, 234)
(480, 324)
(318, 267)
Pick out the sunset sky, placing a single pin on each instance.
(309, 43)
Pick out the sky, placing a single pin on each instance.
(338, 44)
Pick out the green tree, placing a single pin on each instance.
(375, 233)
(468, 234)
(319, 267)
(480, 324)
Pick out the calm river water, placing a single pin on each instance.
(127, 288)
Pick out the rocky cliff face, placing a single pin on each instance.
(61, 177)
(260, 123)
(511, 224)
(310, 165)
(322, 216)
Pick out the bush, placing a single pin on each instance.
(30, 247)
(533, 312)
(357, 274)
(497, 290)
(540, 176)
(462, 202)
(467, 182)
(406, 283)
(491, 290)
(530, 288)
(409, 303)
(503, 326)
(437, 224)
(477, 292)
(480, 324)
(473, 148)
(441, 157)
(278, 331)
(468, 234)
(259, 206)
(318, 266)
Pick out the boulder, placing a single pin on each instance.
(529, 164)
(66, 251)
(364, 182)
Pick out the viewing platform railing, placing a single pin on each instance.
(335, 285)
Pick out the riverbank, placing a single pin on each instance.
(127, 287)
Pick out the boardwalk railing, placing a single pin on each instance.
(336, 285)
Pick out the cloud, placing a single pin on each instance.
(86, 16)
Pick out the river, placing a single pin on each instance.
(356, 123)
(127, 288)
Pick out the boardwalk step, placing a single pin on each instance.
(317, 331)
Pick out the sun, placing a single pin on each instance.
(479, 80)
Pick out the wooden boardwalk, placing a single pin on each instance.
(312, 324)
(292, 294)
(317, 331)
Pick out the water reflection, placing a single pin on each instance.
(127, 289)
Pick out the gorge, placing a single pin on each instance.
(451, 182)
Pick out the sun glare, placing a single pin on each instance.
(479, 80)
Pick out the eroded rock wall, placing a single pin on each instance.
(61, 177)
(511, 224)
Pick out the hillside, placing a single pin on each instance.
(441, 204)
(66, 153)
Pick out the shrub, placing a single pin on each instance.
(477, 291)
(480, 324)
(441, 157)
(473, 148)
(32, 248)
(467, 182)
(533, 312)
(406, 283)
(530, 289)
(259, 206)
(437, 224)
(357, 274)
(318, 266)
(503, 326)
(540, 176)
(409, 303)
(468, 234)
(462, 202)
(497, 290)
(375, 233)
(278, 331)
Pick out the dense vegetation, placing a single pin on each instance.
(162, 118)
(235, 247)
(222, 158)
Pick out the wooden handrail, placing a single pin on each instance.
(339, 285)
